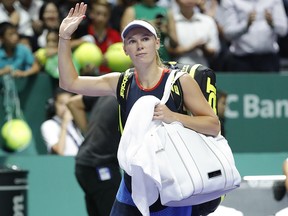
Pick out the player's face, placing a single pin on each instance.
(141, 45)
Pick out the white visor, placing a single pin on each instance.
(138, 23)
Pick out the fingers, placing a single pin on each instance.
(79, 10)
(83, 8)
(70, 12)
(76, 10)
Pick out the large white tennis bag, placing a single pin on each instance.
(194, 168)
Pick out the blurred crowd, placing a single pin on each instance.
(225, 35)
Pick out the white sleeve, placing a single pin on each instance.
(50, 131)
(213, 41)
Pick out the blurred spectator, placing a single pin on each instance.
(47, 57)
(102, 34)
(161, 17)
(197, 34)
(280, 188)
(166, 3)
(50, 17)
(221, 107)
(97, 169)
(15, 58)
(209, 7)
(27, 41)
(51, 46)
(285, 172)
(8, 12)
(59, 132)
(29, 18)
(64, 6)
(212, 9)
(253, 28)
(118, 11)
(283, 44)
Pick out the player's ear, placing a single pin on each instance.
(158, 43)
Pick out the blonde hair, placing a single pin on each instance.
(158, 58)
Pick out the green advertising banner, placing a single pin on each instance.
(257, 111)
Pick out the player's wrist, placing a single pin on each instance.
(64, 37)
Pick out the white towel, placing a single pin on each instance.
(136, 153)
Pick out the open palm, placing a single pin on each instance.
(72, 21)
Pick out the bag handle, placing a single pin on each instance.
(173, 76)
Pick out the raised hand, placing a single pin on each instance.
(72, 21)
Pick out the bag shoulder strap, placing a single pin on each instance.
(172, 78)
(123, 86)
(204, 76)
(121, 93)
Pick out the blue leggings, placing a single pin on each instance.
(124, 206)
